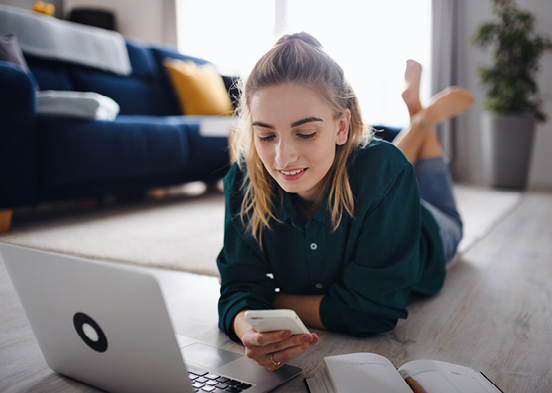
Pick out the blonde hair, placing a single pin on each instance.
(298, 59)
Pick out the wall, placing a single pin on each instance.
(152, 21)
(472, 14)
(28, 4)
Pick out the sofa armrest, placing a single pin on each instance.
(18, 138)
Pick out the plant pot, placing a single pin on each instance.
(507, 142)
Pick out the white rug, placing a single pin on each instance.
(481, 209)
(185, 231)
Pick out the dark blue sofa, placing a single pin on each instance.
(148, 145)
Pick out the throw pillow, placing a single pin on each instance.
(10, 51)
(199, 88)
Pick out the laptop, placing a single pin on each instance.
(107, 325)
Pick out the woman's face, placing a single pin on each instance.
(296, 133)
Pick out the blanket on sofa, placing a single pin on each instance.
(48, 37)
(82, 105)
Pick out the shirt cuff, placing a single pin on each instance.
(226, 321)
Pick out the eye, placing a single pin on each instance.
(307, 136)
(267, 138)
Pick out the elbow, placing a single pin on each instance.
(359, 321)
(373, 326)
(360, 324)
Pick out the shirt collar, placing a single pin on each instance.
(288, 211)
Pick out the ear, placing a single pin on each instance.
(343, 127)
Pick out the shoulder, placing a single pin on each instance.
(235, 176)
(234, 186)
(375, 168)
(379, 151)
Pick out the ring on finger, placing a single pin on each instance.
(274, 362)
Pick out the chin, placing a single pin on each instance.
(290, 188)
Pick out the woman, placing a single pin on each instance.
(324, 219)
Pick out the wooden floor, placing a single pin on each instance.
(494, 315)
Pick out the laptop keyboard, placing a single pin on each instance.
(203, 381)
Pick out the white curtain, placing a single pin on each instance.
(444, 64)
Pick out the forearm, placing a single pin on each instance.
(240, 324)
(306, 306)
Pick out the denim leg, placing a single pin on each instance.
(435, 185)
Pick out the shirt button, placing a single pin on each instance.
(319, 286)
(313, 246)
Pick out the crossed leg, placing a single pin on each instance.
(419, 140)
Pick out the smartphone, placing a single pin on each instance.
(271, 320)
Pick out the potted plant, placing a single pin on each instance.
(513, 103)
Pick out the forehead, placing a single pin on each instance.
(288, 102)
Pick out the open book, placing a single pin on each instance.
(370, 372)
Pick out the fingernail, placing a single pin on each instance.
(307, 338)
(286, 334)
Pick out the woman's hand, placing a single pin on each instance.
(273, 349)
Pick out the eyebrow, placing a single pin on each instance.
(307, 120)
(294, 124)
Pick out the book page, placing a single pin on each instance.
(365, 372)
(439, 377)
(320, 383)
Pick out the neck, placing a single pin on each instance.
(305, 208)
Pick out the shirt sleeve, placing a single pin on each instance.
(242, 266)
(376, 284)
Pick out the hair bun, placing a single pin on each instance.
(303, 36)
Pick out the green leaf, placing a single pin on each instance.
(511, 80)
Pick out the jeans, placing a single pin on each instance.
(435, 186)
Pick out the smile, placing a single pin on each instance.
(291, 173)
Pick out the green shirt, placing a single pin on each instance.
(369, 269)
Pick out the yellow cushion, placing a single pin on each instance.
(199, 88)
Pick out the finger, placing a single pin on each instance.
(278, 359)
(265, 351)
(254, 348)
(293, 341)
(273, 363)
(263, 339)
(262, 354)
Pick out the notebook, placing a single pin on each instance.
(107, 325)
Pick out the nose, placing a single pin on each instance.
(286, 153)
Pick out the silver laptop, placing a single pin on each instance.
(107, 325)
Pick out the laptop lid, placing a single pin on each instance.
(107, 325)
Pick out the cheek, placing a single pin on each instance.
(265, 153)
(325, 153)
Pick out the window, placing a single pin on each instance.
(371, 40)
(231, 34)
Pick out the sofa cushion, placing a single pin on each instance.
(199, 88)
(144, 92)
(163, 53)
(209, 153)
(49, 74)
(131, 147)
(142, 60)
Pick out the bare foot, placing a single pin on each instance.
(449, 103)
(411, 94)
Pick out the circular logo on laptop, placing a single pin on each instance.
(90, 332)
